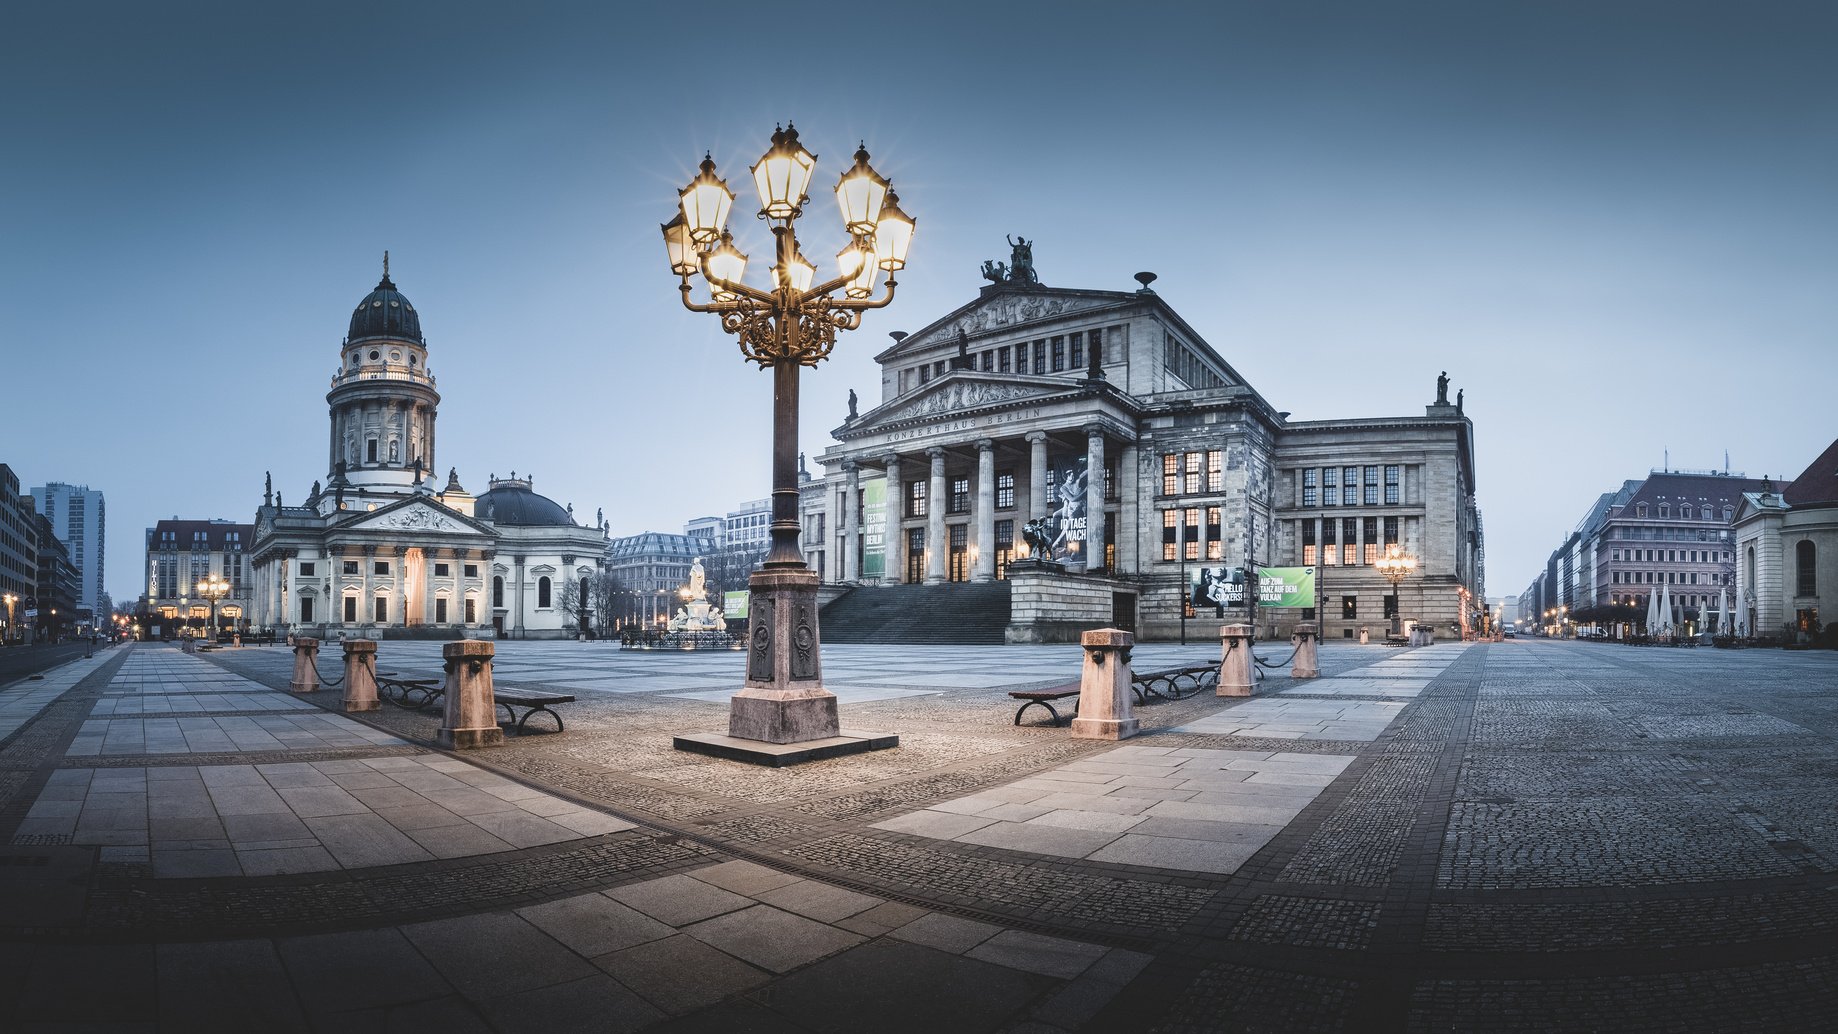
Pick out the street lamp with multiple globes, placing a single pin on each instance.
(11, 599)
(784, 327)
(213, 588)
(1396, 567)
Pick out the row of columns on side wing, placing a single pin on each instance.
(1104, 683)
(471, 718)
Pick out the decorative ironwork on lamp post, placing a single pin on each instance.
(790, 325)
(1396, 567)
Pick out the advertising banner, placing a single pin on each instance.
(1285, 586)
(1067, 521)
(1216, 587)
(734, 604)
(874, 529)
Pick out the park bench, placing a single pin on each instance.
(1042, 697)
(533, 704)
(413, 694)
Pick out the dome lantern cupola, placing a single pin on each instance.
(385, 313)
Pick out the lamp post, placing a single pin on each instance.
(1396, 567)
(213, 588)
(11, 599)
(790, 325)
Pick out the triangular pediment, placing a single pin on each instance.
(1002, 310)
(959, 392)
(416, 516)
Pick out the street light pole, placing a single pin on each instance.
(789, 326)
(1396, 567)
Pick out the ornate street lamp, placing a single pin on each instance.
(213, 588)
(1396, 567)
(792, 323)
(11, 599)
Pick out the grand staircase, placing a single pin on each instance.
(960, 613)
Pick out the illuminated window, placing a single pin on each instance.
(1308, 543)
(1215, 470)
(1190, 481)
(1349, 540)
(1369, 549)
(1215, 549)
(1330, 552)
(1192, 518)
(1170, 535)
(1170, 473)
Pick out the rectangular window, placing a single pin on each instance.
(306, 569)
(1191, 516)
(1215, 549)
(1040, 356)
(382, 567)
(1391, 531)
(1002, 359)
(1190, 480)
(1349, 607)
(1005, 489)
(1059, 354)
(1370, 548)
(472, 570)
(925, 374)
(1308, 543)
(1215, 470)
(1170, 535)
(1005, 546)
(1391, 485)
(350, 567)
(1330, 549)
(382, 608)
(350, 610)
(472, 610)
(960, 495)
(1110, 481)
(1078, 351)
(1170, 473)
(989, 360)
(440, 610)
(915, 499)
(1310, 493)
(1391, 605)
(1330, 486)
(442, 570)
(306, 610)
(1349, 540)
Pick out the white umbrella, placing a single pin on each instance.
(1724, 624)
(1653, 612)
(1665, 608)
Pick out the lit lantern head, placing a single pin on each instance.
(783, 175)
(706, 202)
(860, 193)
(727, 264)
(681, 246)
(893, 234)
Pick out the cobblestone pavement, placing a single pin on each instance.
(1512, 836)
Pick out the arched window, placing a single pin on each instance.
(1807, 556)
(1748, 580)
(542, 591)
(497, 590)
(584, 596)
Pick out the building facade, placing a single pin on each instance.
(18, 556)
(182, 553)
(1105, 415)
(650, 567)
(79, 515)
(1787, 553)
(385, 549)
(1676, 530)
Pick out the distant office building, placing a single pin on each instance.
(18, 556)
(747, 529)
(1787, 544)
(80, 517)
(54, 611)
(182, 553)
(650, 567)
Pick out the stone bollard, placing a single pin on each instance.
(306, 664)
(1365, 635)
(1235, 661)
(361, 675)
(472, 713)
(1104, 687)
(1307, 635)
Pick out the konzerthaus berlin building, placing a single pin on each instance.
(385, 548)
(1068, 405)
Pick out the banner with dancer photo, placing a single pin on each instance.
(1066, 520)
(874, 529)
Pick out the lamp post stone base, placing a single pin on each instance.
(783, 715)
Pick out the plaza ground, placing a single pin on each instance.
(1513, 836)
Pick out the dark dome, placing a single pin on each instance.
(385, 313)
(512, 502)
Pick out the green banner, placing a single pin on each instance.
(1285, 586)
(734, 604)
(874, 529)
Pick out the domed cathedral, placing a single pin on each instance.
(382, 547)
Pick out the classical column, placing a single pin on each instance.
(935, 520)
(366, 605)
(1094, 497)
(985, 569)
(1037, 474)
(428, 556)
(1129, 483)
(399, 612)
(893, 546)
(851, 522)
(517, 623)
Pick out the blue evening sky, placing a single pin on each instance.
(1613, 223)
